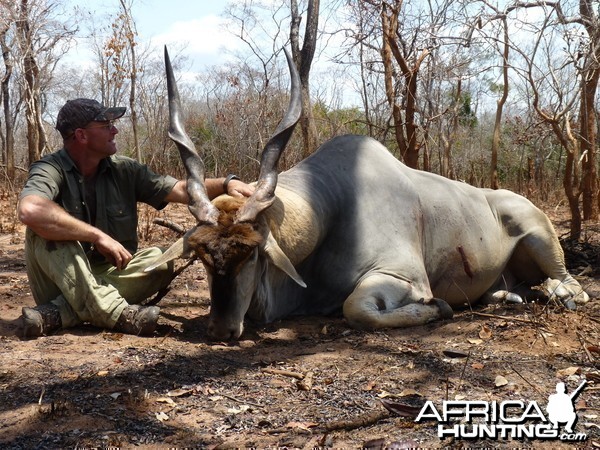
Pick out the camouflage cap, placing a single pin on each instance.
(81, 111)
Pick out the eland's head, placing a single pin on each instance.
(232, 238)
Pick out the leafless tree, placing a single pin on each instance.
(36, 48)
(563, 82)
(8, 139)
(127, 35)
(303, 57)
(37, 42)
(413, 40)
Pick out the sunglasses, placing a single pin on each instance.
(107, 124)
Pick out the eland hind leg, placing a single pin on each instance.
(386, 301)
(541, 248)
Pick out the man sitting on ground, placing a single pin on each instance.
(80, 208)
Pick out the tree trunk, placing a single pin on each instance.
(303, 59)
(494, 183)
(587, 119)
(588, 146)
(407, 129)
(30, 75)
(8, 122)
(571, 177)
(130, 37)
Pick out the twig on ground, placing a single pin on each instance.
(525, 380)
(462, 372)
(244, 402)
(583, 346)
(285, 373)
(495, 316)
(170, 225)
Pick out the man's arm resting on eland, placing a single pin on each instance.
(214, 188)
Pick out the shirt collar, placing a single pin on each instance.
(69, 164)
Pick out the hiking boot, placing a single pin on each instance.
(138, 320)
(41, 320)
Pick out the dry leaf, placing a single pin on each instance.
(500, 381)
(179, 392)
(593, 348)
(485, 333)
(475, 341)
(401, 409)
(166, 400)
(370, 386)
(161, 416)
(102, 373)
(567, 372)
(477, 366)
(408, 392)
(241, 409)
(455, 354)
(593, 376)
(374, 444)
(302, 425)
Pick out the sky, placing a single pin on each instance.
(197, 24)
(196, 29)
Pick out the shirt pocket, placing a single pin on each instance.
(75, 208)
(121, 223)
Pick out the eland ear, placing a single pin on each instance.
(281, 261)
(179, 249)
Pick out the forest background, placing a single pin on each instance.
(495, 94)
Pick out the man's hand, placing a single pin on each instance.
(214, 188)
(237, 188)
(113, 251)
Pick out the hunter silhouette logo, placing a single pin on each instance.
(509, 419)
(561, 407)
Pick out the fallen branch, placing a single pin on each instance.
(306, 383)
(164, 291)
(285, 373)
(584, 347)
(170, 225)
(495, 316)
(244, 402)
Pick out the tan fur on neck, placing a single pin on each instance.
(290, 219)
(227, 245)
(294, 225)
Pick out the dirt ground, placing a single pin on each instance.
(308, 382)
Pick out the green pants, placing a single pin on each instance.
(60, 272)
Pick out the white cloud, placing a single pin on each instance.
(204, 39)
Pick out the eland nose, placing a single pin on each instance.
(223, 333)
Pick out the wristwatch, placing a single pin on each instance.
(228, 178)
